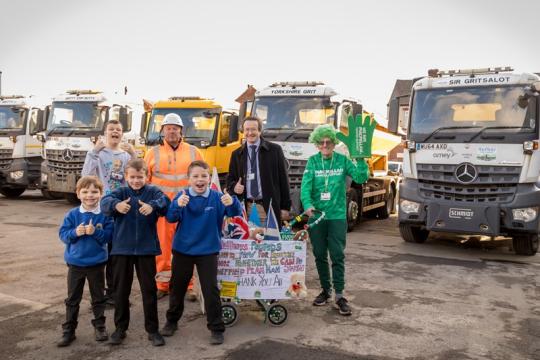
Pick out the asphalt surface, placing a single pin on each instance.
(445, 299)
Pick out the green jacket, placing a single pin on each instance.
(330, 174)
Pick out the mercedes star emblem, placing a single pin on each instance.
(466, 173)
(67, 155)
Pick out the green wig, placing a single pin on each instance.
(321, 132)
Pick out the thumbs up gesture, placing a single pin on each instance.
(183, 199)
(226, 199)
(145, 209)
(239, 188)
(90, 228)
(80, 230)
(123, 206)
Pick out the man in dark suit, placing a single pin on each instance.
(258, 172)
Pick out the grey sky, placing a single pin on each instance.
(215, 48)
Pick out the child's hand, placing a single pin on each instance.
(123, 206)
(89, 229)
(183, 199)
(80, 230)
(145, 209)
(226, 199)
(129, 149)
(100, 145)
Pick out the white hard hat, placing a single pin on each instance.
(172, 119)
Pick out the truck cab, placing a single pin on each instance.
(75, 121)
(291, 110)
(20, 151)
(209, 127)
(471, 164)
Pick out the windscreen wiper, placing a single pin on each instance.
(448, 128)
(494, 127)
(296, 131)
(53, 130)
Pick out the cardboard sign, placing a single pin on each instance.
(265, 270)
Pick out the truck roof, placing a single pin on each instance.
(188, 102)
(297, 88)
(470, 78)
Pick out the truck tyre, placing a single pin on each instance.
(11, 192)
(384, 211)
(50, 195)
(525, 244)
(72, 199)
(352, 209)
(413, 234)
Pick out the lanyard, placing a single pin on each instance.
(326, 172)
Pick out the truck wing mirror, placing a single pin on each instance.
(144, 123)
(124, 119)
(393, 115)
(41, 122)
(233, 128)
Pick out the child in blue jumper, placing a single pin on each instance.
(199, 212)
(86, 232)
(135, 244)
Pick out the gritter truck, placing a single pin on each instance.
(471, 164)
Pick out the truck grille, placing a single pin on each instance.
(61, 166)
(5, 158)
(494, 184)
(296, 171)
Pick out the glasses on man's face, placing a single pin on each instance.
(325, 143)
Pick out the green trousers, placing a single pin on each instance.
(328, 238)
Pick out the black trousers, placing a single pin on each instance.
(182, 271)
(145, 266)
(109, 274)
(76, 278)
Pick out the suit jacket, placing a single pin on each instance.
(273, 172)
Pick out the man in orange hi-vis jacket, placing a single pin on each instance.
(167, 169)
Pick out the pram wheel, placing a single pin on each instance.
(276, 314)
(229, 314)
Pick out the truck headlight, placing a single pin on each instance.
(525, 214)
(409, 207)
(43, 177)
(16, 175)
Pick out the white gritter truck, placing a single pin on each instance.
(291, 110)
(75, 121)
(471, 164)
(20, 151)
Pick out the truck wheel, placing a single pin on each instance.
(525, 244)
(384, 211)
(413, 234)
(352, 209)
(50, 195)
(72, 199)
(11, 192)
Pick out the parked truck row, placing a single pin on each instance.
(58, 136)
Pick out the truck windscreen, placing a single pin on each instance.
(466, 110)
(199, 124)
(11, 118)
(76, 115)
(293, 112)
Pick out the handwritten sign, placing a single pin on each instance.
(266, 270)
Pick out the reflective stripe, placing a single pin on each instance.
(156, 160)
(170, 177)
(192, 152)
